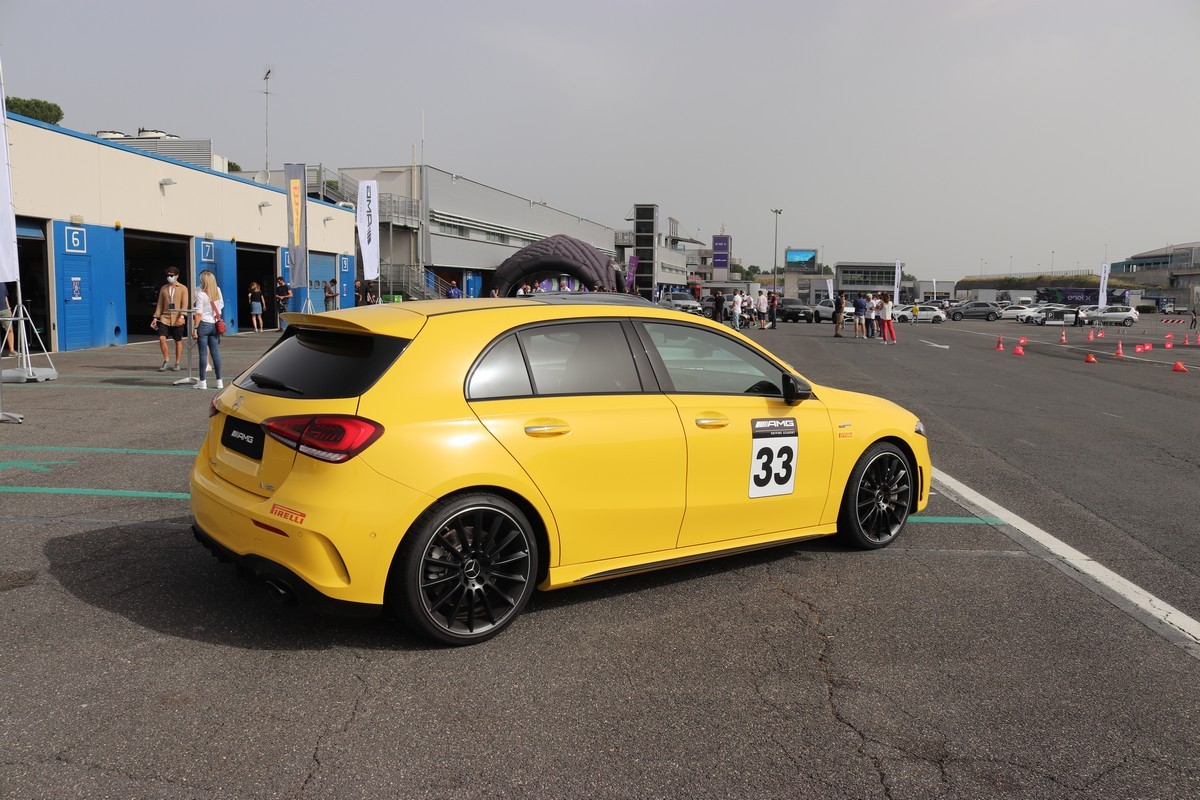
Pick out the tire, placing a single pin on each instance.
(902, 318)
(957, 316)
(991, 317)
(937, 320)
(817, 317)
(465, 570)
(1127, 322)
(878, 498)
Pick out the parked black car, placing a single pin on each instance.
(792, 309)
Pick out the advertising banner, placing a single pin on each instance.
(367, 218)
(297, 219)
(800, 259)
(8, 220)
(1103, 300)
(721, 245)
(896, 283)
(631, 272)
(829, 286)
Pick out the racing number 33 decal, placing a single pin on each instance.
(774, 445)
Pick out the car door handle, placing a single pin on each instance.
(547, 430)
(712, 422)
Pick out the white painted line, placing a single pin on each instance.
(1111, 415)
(931, 344)
(1185, 629)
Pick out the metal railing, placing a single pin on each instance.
(409, 282)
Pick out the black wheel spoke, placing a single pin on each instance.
(441, 601)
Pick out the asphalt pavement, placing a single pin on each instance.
(965, 661)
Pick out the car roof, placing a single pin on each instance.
(406, 319)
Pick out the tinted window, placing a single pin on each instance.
(318, 365)
(702, 361)
(580, 358)
(500, 373)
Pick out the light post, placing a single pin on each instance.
(775, 266)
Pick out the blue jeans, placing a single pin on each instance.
(208, 339)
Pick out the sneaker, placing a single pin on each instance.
(176, 367)
(210, 367)
(220, 383)
(201, 385)
(164, 367)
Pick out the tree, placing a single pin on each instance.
(234, 166)
(42, 110)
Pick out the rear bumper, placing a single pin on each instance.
(284, 584)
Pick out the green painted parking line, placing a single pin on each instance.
(959, 520)
(124, 450)
(93, 492)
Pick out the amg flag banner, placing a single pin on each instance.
(1102, 297)
(297, 219)
(367, 217)
(896, 287)
(8, 222)
(829, 286)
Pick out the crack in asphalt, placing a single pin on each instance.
(334, 730)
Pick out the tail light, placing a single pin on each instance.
(334, 438)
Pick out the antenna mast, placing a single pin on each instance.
(267, 120)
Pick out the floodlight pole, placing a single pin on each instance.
(775, 267)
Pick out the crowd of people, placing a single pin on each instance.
(873, 316)
(746, 310)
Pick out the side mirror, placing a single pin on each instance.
(794, 390)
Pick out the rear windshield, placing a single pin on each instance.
(322, 365)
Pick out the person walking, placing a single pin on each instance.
(204, 330)
(6, 321)
(453, 293)
(885, 321)
(915, 311)
(839, 313)
(860, 316)
(1192, 327)
(170, 318)
(255, 296)
(735, 310)
(283, 298)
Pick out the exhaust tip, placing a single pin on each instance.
(280, 591)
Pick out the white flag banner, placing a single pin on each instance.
(9, 270)
(829, 286)
(1102, 300)
(367, 217)
(934, 289)
(896, 286)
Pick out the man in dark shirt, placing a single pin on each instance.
(718, 307)
(839, 313)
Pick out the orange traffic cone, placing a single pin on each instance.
(1100, 334)
(1063, 338)
(1148, 347)
(1000, 342)
(1169, 336)
(1091, 335)
(1091, 359)
(1119, 353)
(1018, 351)
(1138, 348)
(1179, 367)
(1022, 341)
(1169, 345)
(1185, 339)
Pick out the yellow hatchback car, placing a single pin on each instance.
(442, 458)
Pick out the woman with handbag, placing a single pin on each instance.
(208, 326)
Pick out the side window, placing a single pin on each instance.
(580, 358)
(500, 373)
(703, 362)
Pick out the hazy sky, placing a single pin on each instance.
(957, 135)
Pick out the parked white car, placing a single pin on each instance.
(924, 314)
(1116, 315)
(1011, 311)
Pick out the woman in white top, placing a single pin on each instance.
(885, 316)
(204, 330)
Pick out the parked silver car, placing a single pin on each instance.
(1116, 315)
(976, 309)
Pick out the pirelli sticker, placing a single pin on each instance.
(774, 444)
(290, 514)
